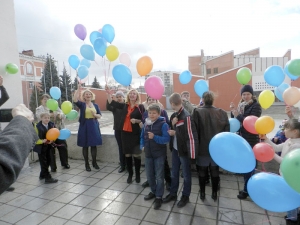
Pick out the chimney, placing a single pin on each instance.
(28, 52)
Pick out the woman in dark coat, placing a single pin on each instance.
(248, 106)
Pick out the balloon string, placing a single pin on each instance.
(108, 72)
(96, 63)
(104, 71)
(263, 167)
(234, 97)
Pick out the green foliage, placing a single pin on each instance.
(95, 83)
(65, 86)
(34, 99)
(49, 78)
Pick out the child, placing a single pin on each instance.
(154, 139)
(280, 135)
(43, 147)
(292, 132)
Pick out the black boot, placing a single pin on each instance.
(85, 154)
(129, 169)
(137, 165)
(202, 181)
(94, 157)
(215, 184)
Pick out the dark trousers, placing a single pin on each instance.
(45, 160)
(167, 171)
(63, 151)
(121, 154)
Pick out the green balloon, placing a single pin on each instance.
(72, 115)
(11, 68)
(52, 104)
(243, 75)
(290, 169)
(294, 67)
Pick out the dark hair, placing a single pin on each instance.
(175, 98)
(292, 124)
(43, 96)
(208, 98)
(154, 107)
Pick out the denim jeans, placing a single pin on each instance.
(121, 154)
(185, 163)
(155, 174)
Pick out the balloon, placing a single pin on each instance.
(52, 134)
(72, 115)
(244, 75)
(122, 74)
(200, 87)
(55, 92)
(235, 125)
(274, 75)
(185, 77)
(144, 65)
(290, 169)
(266, 98)
(112, 53)
(249, 124)
(297, 104)
(232, 152)
(74, 61)
(66, 107)
(94, 35)
(154, 87)
(86, 63)
(286, 71)
(64, 134)
(80, 31)
(82, 81)
(291, 96)
(82, 71)
(100, 46)
(280, 89)
(125, 59)
(52, 104)
(271, 192)
(294, 67)
(264, 125)
(263, 152)
(11, 68)
(108, 32)
(87, 52)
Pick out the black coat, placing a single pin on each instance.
(118, 125)
(4, 95)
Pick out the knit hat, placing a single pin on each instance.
(247, 88)
(120, 93)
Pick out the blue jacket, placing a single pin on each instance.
(163, 114)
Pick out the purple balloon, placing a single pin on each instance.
(80, 31)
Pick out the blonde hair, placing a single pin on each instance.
(138, 98)
(87, 90)
(44, 114)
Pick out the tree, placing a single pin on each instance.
(65, 86)
(75, 84)
(95, 83)
(49, 78)
(34, 99)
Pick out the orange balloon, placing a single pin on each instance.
(52, 134)
(291, 96)
(264, 125)
(144, 65)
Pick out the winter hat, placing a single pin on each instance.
(247, 88)
(120, 93)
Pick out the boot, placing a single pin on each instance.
(202, 187)
(85, 154)
(129, 169)
(137, 165)
(94, 157)
(215, 184)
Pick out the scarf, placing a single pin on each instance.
(242, 105)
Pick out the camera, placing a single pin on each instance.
(5, 115)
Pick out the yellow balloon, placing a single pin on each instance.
(264, 125)
(266, 99)
(66, 107)
(112, 53)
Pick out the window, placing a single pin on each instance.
(215, 70)
(30, 84)
(208, 71)
(29, 69)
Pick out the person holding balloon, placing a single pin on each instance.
(4, 95)
(248, 106)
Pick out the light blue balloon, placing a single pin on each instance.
(274, 75)
(94, 35)
(185, 77)
(280, 89)
(286, 71)
(122, 74)
(86, 63)
(74, 61)
(232, 152)
(200, 87)
(82, 72)
(100, 46)
(108, 32)
(271, 192)
(87, 52)
(64, 134)
(235, 125)
(55, 92)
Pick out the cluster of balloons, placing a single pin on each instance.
(11, 68)
(53, 134)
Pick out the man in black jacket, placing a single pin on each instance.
(3, 96)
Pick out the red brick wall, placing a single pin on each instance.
(194, 64)
(223, 63)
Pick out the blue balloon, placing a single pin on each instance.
(200, 87)
(286, 71)
(185, 77)
(86, 63)
(271, 192)
(232, 152)
(74, 61)
(87, 52)
(280, 89)
(122, 74)
(274, 75)
(108, 32)
(94, 35)
(55, 92)
(100, 46)
(64, 134)
(235, 125)
(82, 72)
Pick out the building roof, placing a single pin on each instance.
(219, 74)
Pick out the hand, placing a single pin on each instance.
(150, 135)
(22, 110)
(141, 125)
(108, 91)
(232, 106)
(1, 80)
(289, 111)
(235, 112)
(275, 139)
(174, 121)
(262, 136)
(171, 132)
(45, 141)
(143, 149)
(132, 121)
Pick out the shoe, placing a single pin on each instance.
(10, 189)
(149, 196)
(53, 170)
(129, 179)
(41, 177)
(67, 166)
(290, 222)
(214, 196)
(168, 186)
(145, 184)
(50, 180)
(122, 169)
(169, 198)
(242, 195)
(137, 178)
(157, 203)
(87, 167)
(202, 195)
(183, 201)
(95, 165)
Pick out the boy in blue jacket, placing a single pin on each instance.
(154, 139)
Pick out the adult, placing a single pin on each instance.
(3, 93)
(117, 113)
(248, 106)
(132, 112)
(57, 117)
(89, 134)
(209, 121)
(185, 97)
